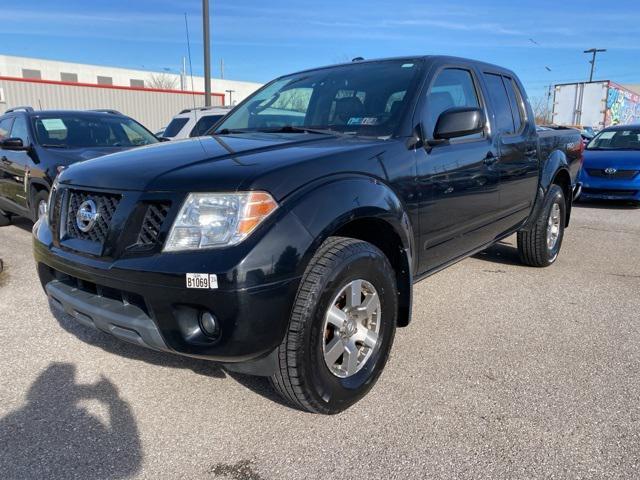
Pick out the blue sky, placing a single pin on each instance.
(263, 39)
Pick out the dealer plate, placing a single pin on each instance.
(204, 281)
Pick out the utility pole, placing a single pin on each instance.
(222, 68)
(594, 52)
(207, 53)
(230, 92)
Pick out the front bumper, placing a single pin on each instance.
(602, 188)
(144, 300)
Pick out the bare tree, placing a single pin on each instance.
(162, 81)
(541, 111)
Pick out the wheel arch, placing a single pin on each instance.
(556, 172)
(368, 210)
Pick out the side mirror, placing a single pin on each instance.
(163, 139)
(13, 143)
(459, 122)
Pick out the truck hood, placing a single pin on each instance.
(220, 163)
(620, 159)
(72, 155)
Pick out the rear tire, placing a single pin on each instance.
(5, 219)
(333, 322)
(540, 243)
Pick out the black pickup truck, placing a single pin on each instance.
(286, 243)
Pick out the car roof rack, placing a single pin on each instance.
(20, 109)
(200, 109)
(105, 110)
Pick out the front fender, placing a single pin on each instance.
(324, 208)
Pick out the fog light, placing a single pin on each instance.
(209, 324)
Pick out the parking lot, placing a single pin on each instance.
(505, 372)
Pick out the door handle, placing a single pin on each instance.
(531, 152)
(490, 159)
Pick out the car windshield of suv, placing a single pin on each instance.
(361, 98)
(86, 131)
(619, 139)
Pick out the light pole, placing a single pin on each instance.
(230, 92)
(594, 52)
(207, 53)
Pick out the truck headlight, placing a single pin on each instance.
(209, 220)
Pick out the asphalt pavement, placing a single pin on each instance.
(505, 372)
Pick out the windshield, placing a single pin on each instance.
(361, 98)
(85, 131)
(204, 125)
(619, 139)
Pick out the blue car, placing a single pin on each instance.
(611, 169)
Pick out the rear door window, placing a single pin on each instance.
(175, 126)
(501, 104)
(516, 102)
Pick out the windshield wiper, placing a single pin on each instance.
(283, 129)
(229, 131)
(294, 129)
(52, 145)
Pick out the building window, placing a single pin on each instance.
(69, 77)
(136, 83)
(29, 73)
(105, 80)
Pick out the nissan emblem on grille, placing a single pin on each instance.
(87, 215)
(610, 171)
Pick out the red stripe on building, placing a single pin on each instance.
(113, 87)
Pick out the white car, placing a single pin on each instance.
(194, 122)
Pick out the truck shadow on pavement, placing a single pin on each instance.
(501, 252)
(258, 385)
(54, 436)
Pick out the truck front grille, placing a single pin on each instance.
(106, 205)
(126, 298)
(154, 218)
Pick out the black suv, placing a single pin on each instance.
(36, 146)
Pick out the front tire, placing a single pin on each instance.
(540, 243)
(341, 329)
(40, 203)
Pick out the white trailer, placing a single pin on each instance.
(595, 104)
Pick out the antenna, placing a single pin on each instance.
(193, 93)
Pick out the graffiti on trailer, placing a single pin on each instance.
(623, 106)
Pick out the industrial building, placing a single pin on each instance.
(150, 97)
